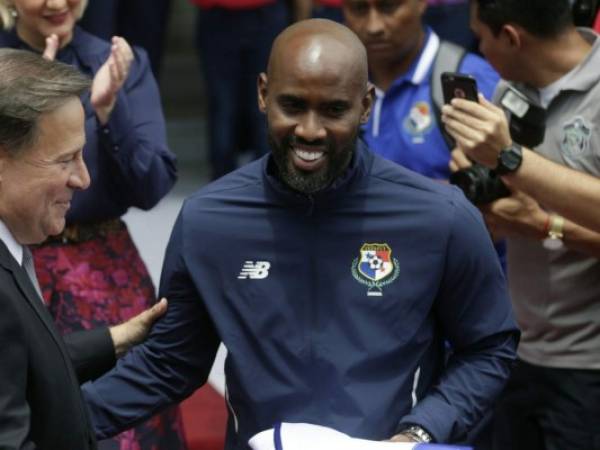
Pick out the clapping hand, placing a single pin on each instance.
(110, 78)
(51, 47)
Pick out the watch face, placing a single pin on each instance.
(509, 160)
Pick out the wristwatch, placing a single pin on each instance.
(509, 159)
(417, 434)
(553, 241)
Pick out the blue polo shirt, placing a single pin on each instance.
(403, 127)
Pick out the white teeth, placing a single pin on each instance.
(308, 156)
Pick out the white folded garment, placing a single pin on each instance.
(305, 436)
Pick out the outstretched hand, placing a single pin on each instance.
(110, 78)
(135, 330)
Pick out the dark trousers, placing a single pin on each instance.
(140, 22)
(548, 409)
(234, 48)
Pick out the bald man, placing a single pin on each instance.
(332, 276)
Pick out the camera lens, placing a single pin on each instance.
(479, 184)
(466, 180)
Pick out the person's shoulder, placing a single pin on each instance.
(406, 185)
(243, 182)
(437, 205)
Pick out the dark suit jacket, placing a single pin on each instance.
(40, 402)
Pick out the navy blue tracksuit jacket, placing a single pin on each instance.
(334, 308)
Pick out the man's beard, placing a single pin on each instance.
(310, 182)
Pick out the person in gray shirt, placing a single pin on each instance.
(553, 399)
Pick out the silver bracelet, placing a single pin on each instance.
(418, 434)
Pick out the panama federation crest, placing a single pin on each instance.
(576, 137)
(375, 268)
(419, 121)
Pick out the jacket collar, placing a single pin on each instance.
(419, 70)
(359, 166)
(23, 283)
(7, 259)
(15, 249)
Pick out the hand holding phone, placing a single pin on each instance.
(459, 85)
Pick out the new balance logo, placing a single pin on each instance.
(255, 270)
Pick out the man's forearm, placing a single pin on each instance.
(573, 194)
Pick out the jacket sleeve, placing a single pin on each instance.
(174, 361)
(92, 352)
(474, 310)
(135, 139)
(14, 408)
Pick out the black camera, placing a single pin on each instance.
(527, 127)
(480, 184)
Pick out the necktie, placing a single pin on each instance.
(30, 269)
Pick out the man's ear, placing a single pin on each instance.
(262, 92)
(512, 36)
(367, 103)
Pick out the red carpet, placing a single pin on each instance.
(205, 418)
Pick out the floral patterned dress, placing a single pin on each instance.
(103, 281)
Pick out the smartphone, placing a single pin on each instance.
(459, 85)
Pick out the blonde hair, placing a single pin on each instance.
(8, 13)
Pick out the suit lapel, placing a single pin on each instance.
(24, 284)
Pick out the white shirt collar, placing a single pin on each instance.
(423, 66)
(427, 57)
(15, 249)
